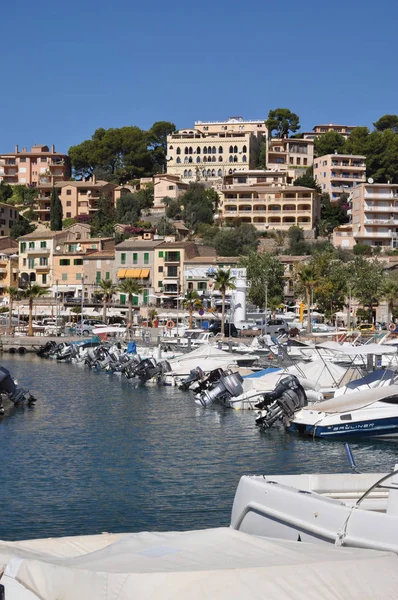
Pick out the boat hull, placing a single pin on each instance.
(381, 428)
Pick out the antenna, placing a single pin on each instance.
(58, 248)
(371, 180)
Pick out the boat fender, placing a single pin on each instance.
(392, 326)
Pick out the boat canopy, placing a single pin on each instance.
(354, 400)
(216, 563)
(349, 350)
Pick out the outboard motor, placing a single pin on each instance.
(149, 368)
(194, 375)
(281, 404)
(16, 394)
(44, 351)
(210, 379)
(229, 386)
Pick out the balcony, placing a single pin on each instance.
(375, 234)
(43, 251)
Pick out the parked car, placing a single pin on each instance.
(229, 329)
(366, 328)
(88, 325)
(275, 327)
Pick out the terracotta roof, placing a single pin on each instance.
(82, 184)
(133, 244)
(100, 254)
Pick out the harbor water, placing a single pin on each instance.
(98, 453)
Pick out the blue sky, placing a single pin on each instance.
(70, 67)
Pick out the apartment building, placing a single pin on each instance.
(318, 130)
(69, 263)
(169, 262)
(269, 177)
(339, 173)
(166, 185)
(268, 207)
(36, 257)
(207, 155)
(374, 215)
(292, 154)
(134, 259)
(77, 197)
(34, 167)
(196, 270)
(8, 264)
(8, 216)
(98, 265)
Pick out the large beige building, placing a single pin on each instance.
(270, 207)
(77, 197)
(212, 150)
(168, 186)
(374, 217)
(269, 177)
(339, 173)
(8, 216)
(34, 167)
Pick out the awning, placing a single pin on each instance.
(133, 273)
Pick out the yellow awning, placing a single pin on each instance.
(132, 273)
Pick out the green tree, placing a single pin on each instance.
(103, 221)
(131, 288)
(333, 214)
(281, 121)
(32, 293)
(330, 142)
(307, 278)
(55, 211)
(108, 289)
(68, 222)
(223, 281)
(387, 122)
(191, 301)
(297, 244)
(128, 209)
(157, 142)
(368, 281)
(198, 205)
(362, 250)
(264, 271)
(21, 227)
(307, 180)
(5, 191)
(262, 154)
(236, 241)
(357, 141)
(390, 295)
(13, 294)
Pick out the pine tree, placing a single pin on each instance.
(55, 211)
(104, 219)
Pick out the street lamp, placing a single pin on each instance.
(266, 304)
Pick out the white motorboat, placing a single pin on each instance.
(356, 510)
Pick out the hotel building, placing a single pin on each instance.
(339, 173)
(34, 167)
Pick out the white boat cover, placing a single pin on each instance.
(354, 400)
(207, 357)
(350, 350)
(208, 564)
(378, 378)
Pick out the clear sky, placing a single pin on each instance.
(70, 67)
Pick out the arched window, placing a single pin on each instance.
(235, 158)
(205, 159)
(220, 159)
(231, 149)
(209, 150)
(198, 159)
(205, 150)
(190, 150)
(190, 159)
(230, 172)
(185, 150)
(185, 173)
(231, 159)
(198, 150)
(186, 159)
(219, 173)
(189, 173)
(32, 276)
(214, 150)
(178, 160)
(213, 173)
(208, 173)
(214, 159)
(204, 173)
(244, 149)
(244, 159)
(178, 150)
(220, 150)
(170, 147)
(235, 149)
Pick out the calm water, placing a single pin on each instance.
(97, 454)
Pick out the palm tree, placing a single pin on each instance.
(190, 301)
(390, 294)
(223, 281)
(108, 289)
(33, 292)
(307, 278)
(13, 294)
(131, 288)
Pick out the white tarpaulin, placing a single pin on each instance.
(210, 564)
